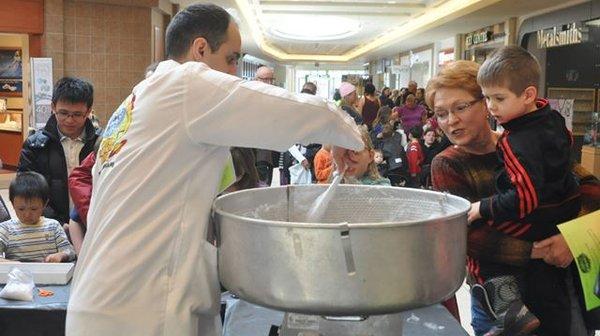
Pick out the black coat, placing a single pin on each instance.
(43, 153)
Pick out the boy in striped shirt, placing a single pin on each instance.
(32, 237)
(536, 189)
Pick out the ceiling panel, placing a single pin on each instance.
(366, 19)
(375, 18)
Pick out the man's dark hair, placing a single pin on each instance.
(310, 88)
(29, 185)
(73, 90)
(199, 20)
(369, 89)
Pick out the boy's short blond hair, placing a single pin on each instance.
(511, 67)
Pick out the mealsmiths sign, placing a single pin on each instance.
(548, 38)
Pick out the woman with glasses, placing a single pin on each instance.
(467, 169)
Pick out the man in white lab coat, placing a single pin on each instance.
(146, 267)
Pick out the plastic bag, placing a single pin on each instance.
(300, 175)
(19, 286)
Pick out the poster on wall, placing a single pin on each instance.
(41, 79)
(11, 72)
(565, 108)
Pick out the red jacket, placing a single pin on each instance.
(80, 186)
(415, 157)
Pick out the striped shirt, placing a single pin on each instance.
(25, 242)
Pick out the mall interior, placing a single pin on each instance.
(383, 52)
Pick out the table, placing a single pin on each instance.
(45, 316)
(246, 319)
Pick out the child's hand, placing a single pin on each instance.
(474, 213)
(56, 257)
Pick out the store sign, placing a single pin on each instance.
(548, 38)
(477, 38)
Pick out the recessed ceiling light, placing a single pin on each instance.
(313, 28)
(391, 2)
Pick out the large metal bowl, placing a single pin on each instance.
(399, 248)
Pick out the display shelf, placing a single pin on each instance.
(11, 120)
(585, 102)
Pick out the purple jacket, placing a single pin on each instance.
(412, 117)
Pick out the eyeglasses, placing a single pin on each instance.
(63, 115)
(442, 115)
(269, 80)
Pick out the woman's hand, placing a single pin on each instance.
(56, 257)
(558, 253)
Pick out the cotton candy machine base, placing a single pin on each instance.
(246, 319)
(312, 325)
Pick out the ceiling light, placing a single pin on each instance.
(593, 23)
(313, 28)
(448, 10)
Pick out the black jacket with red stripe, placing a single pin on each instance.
(536, 190)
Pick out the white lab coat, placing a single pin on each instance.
(146, 267)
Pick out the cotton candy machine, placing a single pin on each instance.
(379, 250)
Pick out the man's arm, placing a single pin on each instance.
(232, 112)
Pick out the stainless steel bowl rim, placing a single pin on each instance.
(331, 226)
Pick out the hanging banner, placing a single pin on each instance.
(41, 82)
(565, 108)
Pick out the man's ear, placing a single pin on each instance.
(88, 112)
(530, 94)
(200, 48)
(53, 106)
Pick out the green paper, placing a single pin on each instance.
(228, 176)
(583, 237)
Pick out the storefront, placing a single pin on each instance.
(567, 45)
(414, 65)
(479, 44)
(21, 26)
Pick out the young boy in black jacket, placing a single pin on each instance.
(536, 189)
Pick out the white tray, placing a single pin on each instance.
(43, 273)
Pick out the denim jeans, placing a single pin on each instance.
(480, 321)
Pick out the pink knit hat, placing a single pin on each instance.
(346, 89)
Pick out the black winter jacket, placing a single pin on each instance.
(536, 190)
(43, 153)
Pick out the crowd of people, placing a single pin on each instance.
(402, 131)
(104, 198)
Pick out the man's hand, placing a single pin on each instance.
(474, 212)
(558, 252)
(305, 164)
(341, 158)
(56, 257)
